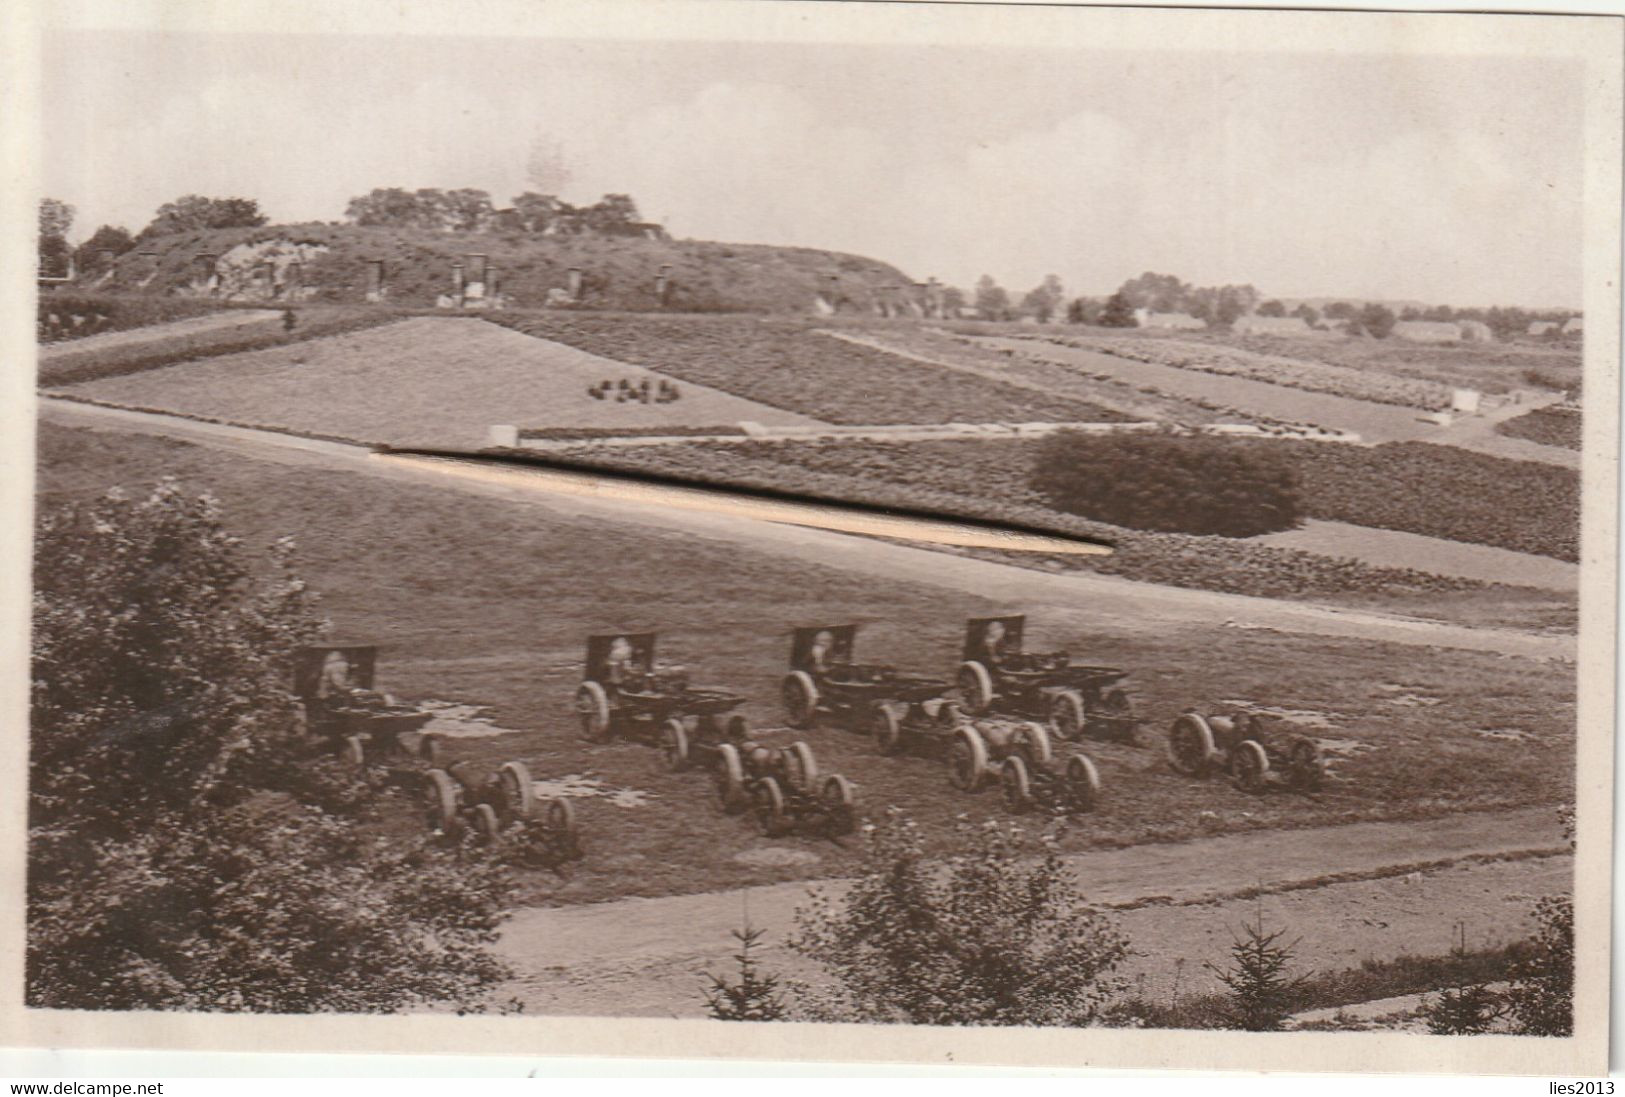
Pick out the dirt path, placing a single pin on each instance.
(1394, 549)
(1402, 888)
(1073, 599)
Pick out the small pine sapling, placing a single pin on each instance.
(755, 995)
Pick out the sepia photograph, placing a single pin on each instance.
(1050, 536)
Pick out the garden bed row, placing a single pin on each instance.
(117, 361)
(787, 365)
(916, 477)
(1413, 487)
(1550, 426)
(1273, 368)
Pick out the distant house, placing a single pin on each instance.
(1543, 327)
(1427, 331)
(1475, 331)
(1574, 325)
(1177, 321)
(1270, 325)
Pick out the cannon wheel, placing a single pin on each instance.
(975, 687)
(730, 779)
(1116, 704)
(738, 729)
(560, 817)
(1190, 745)
(1017, 784)
(800, 767)
(949, 714)
(769, 804)
(444, 797)
(840, 804)
(887, 727)
(592, 705)
(486, 824)
(674, 744)
(429, 749)
(800, 698)
(1306, 770)
(1249, 764)
(354, 751)
(1066, 714)
(1082, 783)
(518, 790)
(967, 760)
(1032, 741)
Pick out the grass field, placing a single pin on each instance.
(486, 604)
(424, 381)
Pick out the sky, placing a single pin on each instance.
(1444, 179)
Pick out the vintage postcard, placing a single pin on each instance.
(1063, 536)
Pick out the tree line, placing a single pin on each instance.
(462, 209)
(1221, 306)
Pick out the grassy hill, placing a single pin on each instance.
(617, 272)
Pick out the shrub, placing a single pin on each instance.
(997, 935)
(1168, 482)
(180, 856)
(1463, 1011)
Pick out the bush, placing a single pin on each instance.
(1168, 482)
(180, 855)
(1541, 998)
(998, 935)
(1463, 1011)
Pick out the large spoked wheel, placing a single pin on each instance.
(1017, 784)
(1306, 770)
(975, 687)
(1032, 742)
(560, 818)
(592, 706)
(486, 824)
(429, 749)
(1117, 710)
(1066, 715)
(800, 767)
(839, 803)
(518, 790)
(769, 805)
(354, 751)
(674, 744)
(1190, 745)
(1082, 783)
(967, 760)
(886, 724)
(800, 698)
(1248, 765)
(730, 778)
(442, 797)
